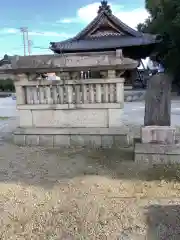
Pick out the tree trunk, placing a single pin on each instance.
(158, 101)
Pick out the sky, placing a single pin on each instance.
(56, 20)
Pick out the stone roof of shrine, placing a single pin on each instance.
(105, 32)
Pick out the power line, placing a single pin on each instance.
(27, 43)
(41, 47)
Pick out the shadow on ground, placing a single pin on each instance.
(120, 163)
(35, 165)
(163, 222)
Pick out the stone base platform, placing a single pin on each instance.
(153, 153)
(69, 137)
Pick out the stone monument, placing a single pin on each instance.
(158, 101)
(158, 143)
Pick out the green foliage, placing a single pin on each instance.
(165, 20)
(7, 85)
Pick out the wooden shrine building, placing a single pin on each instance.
(108, 33)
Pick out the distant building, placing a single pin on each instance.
(5, 60)
(108, 33)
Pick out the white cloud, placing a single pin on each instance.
(87, 13)
(9, 31)
(67, 20)
(133, 18)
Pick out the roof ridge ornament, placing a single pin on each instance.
(105, 7)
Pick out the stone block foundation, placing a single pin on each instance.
(73, 137)
(157, 153)
(157, 145)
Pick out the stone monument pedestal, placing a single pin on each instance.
(157, 145)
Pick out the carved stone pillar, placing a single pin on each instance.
(111, 73)
(20, 91)
(120, 92)
(65, 76)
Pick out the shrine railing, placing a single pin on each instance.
(70, 93)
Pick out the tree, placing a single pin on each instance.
(165, 20)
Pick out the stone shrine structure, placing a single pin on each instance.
(76, 110)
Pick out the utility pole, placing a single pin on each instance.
(30, 43)
(24, 31)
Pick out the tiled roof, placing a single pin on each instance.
(102, 43)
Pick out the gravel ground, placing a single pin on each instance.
(53, 194)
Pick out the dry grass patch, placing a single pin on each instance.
(77, 194)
